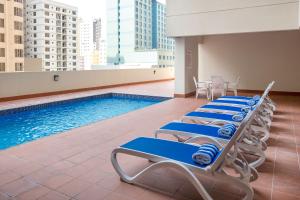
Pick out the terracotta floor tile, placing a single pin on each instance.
(114, 196)
(260, 193)
(4, 196)
(152, 195)
(28, 168)
(10, 162)
(76, 171)
(110, 182)
(94, 176)
(130, 190)
(8, 176)
(59, 167)
(73, 187)
(94, 162)
(56, 181)
(40, 176)
(282, 195)
(81, 157)
(53, 195)
(17, 187)
(34, 193)
(93, 193)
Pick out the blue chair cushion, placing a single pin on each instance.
(220, 107)
(176, 151)
(237, 97)
(231, 102)
(211, 131)
(217, 116)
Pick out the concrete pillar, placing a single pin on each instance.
(186, 65)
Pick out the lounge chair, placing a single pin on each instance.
(267, 109)
(270, 103)
(261, 127)
(170, 154)
(241, 101)
(185, 132)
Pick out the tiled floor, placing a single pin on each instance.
(76, 164)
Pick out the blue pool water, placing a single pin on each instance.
(25, 125)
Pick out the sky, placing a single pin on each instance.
(89, 9)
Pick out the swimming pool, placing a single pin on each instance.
(25, 124)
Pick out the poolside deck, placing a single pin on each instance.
(76, 164)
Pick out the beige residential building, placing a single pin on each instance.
(11, 36)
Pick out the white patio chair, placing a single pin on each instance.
(218, 85)
(202, 87)
(233, 86)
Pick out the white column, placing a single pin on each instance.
(186, 65)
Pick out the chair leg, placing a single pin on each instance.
(207, 94)
(235, 92)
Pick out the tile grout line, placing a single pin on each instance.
(273, 171)
(294, 132)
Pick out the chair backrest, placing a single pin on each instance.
(217, 82)
(195, 81)
(238, 134)
(237, 81)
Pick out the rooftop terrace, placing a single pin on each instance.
(76, 164)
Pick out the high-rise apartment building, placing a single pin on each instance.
(86, 43)
(51, 34)
(97, 33)
(11, 36)
(159, 33)
(136, 33)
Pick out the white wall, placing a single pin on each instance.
(186, 64)
(203, 17)
(257, 57)
(25, 83)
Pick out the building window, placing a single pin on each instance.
(2, 67)
(19, 53)
(18, 67)
(18, 12)
(19, 1)
(18, 26)
(2, 52)
(1, 8)
(46, 6)
(18, 39)
(2, 38)
(2, 22)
